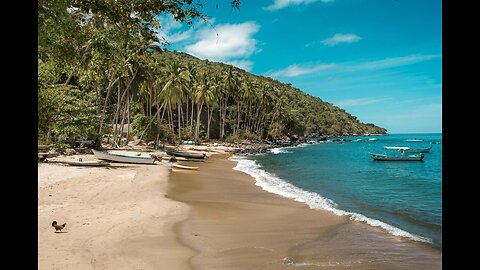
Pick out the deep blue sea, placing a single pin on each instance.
(403, 197)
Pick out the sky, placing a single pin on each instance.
(380, 60)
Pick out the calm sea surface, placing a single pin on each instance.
(404, 198)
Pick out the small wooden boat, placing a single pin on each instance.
(87, 163)
(416, 150)
(184, 154)
(178, 166)
(122, 158)
(397, 157)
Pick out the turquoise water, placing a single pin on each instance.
(404, 198)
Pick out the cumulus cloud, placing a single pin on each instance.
(224, 42)
(279, 4)
(340, 38)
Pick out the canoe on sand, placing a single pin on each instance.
(88, 163)
(178, 166)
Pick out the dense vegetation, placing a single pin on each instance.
(100, 63)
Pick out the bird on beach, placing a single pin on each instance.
(58, 227)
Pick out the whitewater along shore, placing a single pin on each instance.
(234, 224)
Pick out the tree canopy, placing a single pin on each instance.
(101, 66)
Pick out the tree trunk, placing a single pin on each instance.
(104, 111)
(151, 121)
(179, 123)
(191, 116)
(128, 118)
(197, 129)
(209, 119)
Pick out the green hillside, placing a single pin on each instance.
(100, 67)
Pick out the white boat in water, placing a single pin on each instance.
(401, 148)
(417, 150)
(122, 158)
(382, 157)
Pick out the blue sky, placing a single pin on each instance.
(380, 60)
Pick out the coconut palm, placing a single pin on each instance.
(202, 94)
(175, 89)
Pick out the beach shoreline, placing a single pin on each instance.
(234, 224)
(144, 216)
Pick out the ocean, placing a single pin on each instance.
(402, 197)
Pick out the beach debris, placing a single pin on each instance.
(58, 227)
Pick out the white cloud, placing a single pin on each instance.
(243, 64)
(340, 38)
(297, 70)
(170, 29)
(359, 101)
(228, 41)
(177, 37)
(301, 69)
(393, 62)
(279, 4)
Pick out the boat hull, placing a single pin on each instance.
(397, 158)
(185, 155)
(417, 150)
(178, 166)
(122, 158)
(88, 163)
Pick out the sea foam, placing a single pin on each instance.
(271, 183)
(277, 151)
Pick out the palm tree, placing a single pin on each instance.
(231, 84)
(175, 89)
(202, 94)
(214, 86)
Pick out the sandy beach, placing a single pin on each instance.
(145, 217)
(116, 218)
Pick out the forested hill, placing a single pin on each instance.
(101, 68)
(300, 113)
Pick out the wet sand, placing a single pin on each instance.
(234, 224)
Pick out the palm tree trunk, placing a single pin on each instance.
(209, 119)
(197, 129)
(179, 123)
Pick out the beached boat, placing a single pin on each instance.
(100, 163)
(184, 154)
(397, 157)
(417, 150)
(178, 166)
(122, 158)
